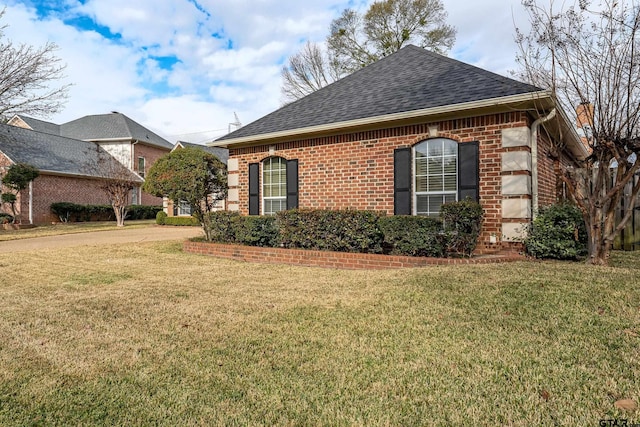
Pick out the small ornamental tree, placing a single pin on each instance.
(115, 181)
(16, 179)
(191, 175)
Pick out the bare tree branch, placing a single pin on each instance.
(588, 54)
(26, 73)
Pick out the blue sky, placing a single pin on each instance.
(184, 67)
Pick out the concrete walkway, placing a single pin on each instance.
(94, 238)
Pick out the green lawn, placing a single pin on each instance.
(147, 335)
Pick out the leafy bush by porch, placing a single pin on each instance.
(558, 232)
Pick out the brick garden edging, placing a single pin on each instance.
(342, 260)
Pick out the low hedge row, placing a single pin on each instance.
(188, 221)
(71, 212)
(354, 231)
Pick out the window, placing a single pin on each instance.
(435, 175)
(274, 185)
(141, 166)
(181, 208)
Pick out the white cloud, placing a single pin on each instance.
(210, 81)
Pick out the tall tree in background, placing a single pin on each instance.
(357, 40)
(26, 73)
(589, 56)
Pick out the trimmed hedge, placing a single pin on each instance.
(558, 232)
(183, 221)
(5, 218)
(230, 227)
(256, 230)
(413, 235)
(331, 230)
(161, 216)
(142, 212)
(461, 222)
(455, 234)
(71, 212)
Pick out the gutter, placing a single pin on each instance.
(445, 109)
(534, 160)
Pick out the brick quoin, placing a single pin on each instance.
(355, 170)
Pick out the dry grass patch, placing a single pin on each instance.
(145, 334)
(68, 228)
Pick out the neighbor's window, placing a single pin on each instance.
(274, 185)
(182, 208)
(141, 166)
(436, 175)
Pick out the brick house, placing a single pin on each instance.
(67, 166)
(135, 146)
(183, 208)
(404, 135)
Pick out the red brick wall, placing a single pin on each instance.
(356, 170)
(327, 259)
(48, 189)
(151, 155)
(547, 178)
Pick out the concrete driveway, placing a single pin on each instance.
(94, 238)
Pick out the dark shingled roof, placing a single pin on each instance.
(111, 126)
(220, 153)
(409, 79)
(53, 153)
(41, 125)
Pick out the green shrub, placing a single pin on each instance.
(183, 221)
(5, 218)
(161, 217)
(412, 235)
(331, 230)
(256, 230)
(65, 211)
(220, 226)
(143, 212)
(557, 232)
(461, 222)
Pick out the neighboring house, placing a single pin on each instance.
(405, 135)
(68, 171)
(132, 144)
(183, 208)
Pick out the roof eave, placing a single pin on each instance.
(523, 100)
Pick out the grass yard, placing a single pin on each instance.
(147, 335)
(69, 228)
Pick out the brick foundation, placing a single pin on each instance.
(326, 259)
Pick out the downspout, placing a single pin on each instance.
(30, 202)
(534, 160)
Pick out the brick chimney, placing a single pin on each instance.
(584, 115)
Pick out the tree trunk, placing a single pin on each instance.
(120, 212)
(599, 246)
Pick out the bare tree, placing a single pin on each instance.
(589, 56)
(116, 181)
(357, 40)
(26, 73)
(307, 71)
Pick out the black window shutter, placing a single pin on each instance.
(402, 181)
(254, 189)
(468, 171)
(292, 184)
